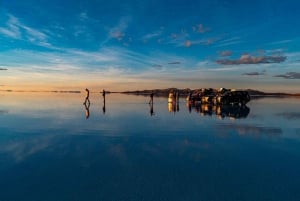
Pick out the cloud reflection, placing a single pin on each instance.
(252, 130)
(290, 115)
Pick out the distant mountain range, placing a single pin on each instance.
(185, 92)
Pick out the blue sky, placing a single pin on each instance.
(122, 45)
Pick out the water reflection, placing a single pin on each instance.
(151, 109)
(235, 111)
(251, 130)
(103, 107)
(3, 112)
(290, 115)
(127, 155)
(87, 108)
(173, 102)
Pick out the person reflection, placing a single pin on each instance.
(87, 109)
(151, 109)
(87, 103)
(103, 108)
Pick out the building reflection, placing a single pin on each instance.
(221, 111)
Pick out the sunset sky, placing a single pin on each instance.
(146, 44)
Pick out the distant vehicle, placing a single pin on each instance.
(202, 96)
(222, 96)
(233, 97)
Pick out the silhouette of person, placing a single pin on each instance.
(151, 98)
(87, 97)
(103, 93)
(87, 109)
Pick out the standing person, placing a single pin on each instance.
(151, 98)
(87, 96)
(103, 93)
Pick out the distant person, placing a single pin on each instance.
(103, 93)
(151, 98)
(87, 96)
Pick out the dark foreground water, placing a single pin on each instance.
(52, 147)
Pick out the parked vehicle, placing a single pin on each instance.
(222, 96)
(233, 97)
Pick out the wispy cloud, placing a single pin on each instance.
(118, 32)
(174, 62)
(228, 42)
(248, 59)
(12, 29)
(189, 43)
(254, 73)
(199, 28)
(281, 42)
(15, 29)
(225, 53)
(83, 16)
(289, 75)
(152, 35)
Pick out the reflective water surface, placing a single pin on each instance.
(54, 147)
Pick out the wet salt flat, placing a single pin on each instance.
(52, 147)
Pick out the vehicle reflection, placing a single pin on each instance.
(173, 102)
(234, 111)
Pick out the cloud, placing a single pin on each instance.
(12, 29)
(118, 32)
(248, 59)
(253, 73)
(157, 66)
(199, 28)
(289, 75)
(187, 43)
(83, 16)
(152, 35)
(229, 41)
(15, 29)
(225, 53)
(175, 62)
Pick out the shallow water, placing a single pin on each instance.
(53, 148)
